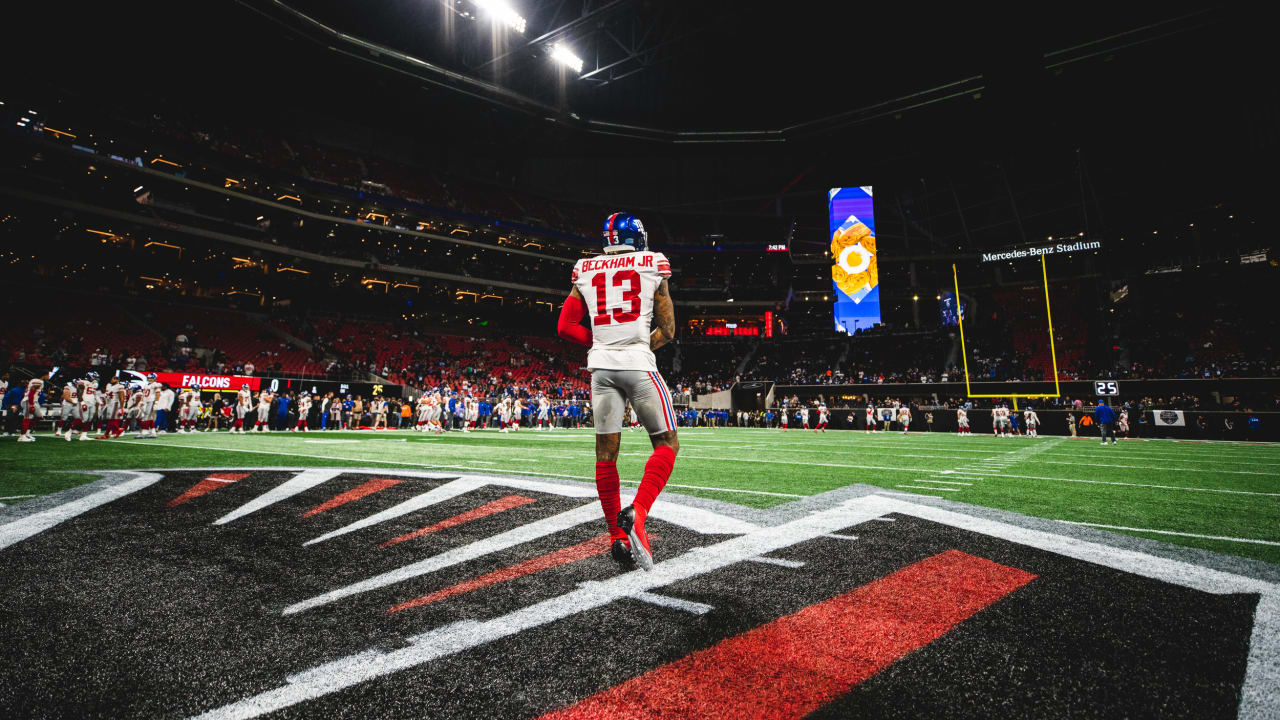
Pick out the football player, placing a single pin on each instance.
(133, 408)
(1123, 423)
(88, 405)
(784, 415)
(264, 411)
(244, 405)
(1032, 422)
(304, 410)
(31, 408)
(69, 417)
(871, 419)
(804, 416)
(904, 418)
(147, 409)
(962, 421)
(626, 294)
(822, 419)
(113, 409)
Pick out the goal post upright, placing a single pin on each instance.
(964, 353)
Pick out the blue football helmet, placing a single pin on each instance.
(624, 232)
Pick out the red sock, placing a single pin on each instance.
(656, 472)
(26, 425)
(607, 488)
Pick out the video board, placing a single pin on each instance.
(854, 272)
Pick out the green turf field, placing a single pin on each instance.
(1228, 492)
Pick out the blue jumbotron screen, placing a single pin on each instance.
(854, 272)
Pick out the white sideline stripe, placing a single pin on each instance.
(1162, 458)
(301, 482)
(885, 519)
(1171, 532)
(837, 536)
(502, 541)
(777, 561)
(943, 482)
(1025, 477)
(704, 487)
(1262, 672)
(460, 636)
(16, 497)
(214, 479)
(908, 495)
(36, 523)
(925, 487)
(666, 601)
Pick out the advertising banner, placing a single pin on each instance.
(855, 273)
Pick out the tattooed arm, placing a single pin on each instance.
(664, 318)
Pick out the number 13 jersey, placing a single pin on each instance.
(619, 290)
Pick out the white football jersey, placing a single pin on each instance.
(619, 291)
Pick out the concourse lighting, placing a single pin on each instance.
(501, 11)
(563, 55)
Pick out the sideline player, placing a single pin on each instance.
(31, 408)
(627, 293)
(1122, 424)
(304, 412)
(962, 421)
(69, 414)
(244, 405)
(871, 419)
(904, 418)
(264, 410)
(88, 405)
(822, 419)
(804, 416)
(1032, 421)
(784, 415)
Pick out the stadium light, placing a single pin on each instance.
(563, 55)
(501, 11)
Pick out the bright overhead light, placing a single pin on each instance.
(501, 11)
(137, 188)
(563, 55)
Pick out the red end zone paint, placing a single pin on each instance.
(368, 488)
(573, 553)
(794, 665)
(206, 486)
(491, 508)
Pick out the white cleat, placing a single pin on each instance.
(26, 438)
(84, 436)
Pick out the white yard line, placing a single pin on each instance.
(943, 482)
(934, 489)
(1171, 532)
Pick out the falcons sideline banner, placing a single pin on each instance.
(1169, 418)
(207, 382)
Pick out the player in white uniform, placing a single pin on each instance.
(784, 415)
(188, 410)
(544, 412)
(420, 413)
(1001, 415)
(113, 410)
(804, 416)
(1122, 425)
(31, 409)
(823, 418)
(88, 405)
(871, 419)
(133, 406)
(1032, 422)
(304, 411)
(244, 405)
(962, 421)
(264, 411)
(904, 418)
(626, 296)
(504, 415)
(69, 415)
(147, 412)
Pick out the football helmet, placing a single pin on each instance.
(622, 232)
(244, 386)
(151, 377)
